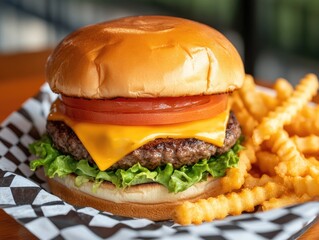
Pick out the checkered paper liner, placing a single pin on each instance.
(24, 196)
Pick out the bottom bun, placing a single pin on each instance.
(150, 200)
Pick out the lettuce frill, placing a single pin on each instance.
(176, 180)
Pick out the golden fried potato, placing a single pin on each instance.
(251, 181)
(266, 162)
(270, 101)
(252, 99)
(303, 185)
(291, 161)
(273, 170)
(235, 177)
(283, 114)
(283, 89)
(231, 204)
(284, 201)
(308, 144)
(305, 122)
(248, 123)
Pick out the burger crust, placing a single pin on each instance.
(145, 56)
(152, 200)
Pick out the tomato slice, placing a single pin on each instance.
(143, 111)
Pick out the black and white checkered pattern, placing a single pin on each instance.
(23, 196)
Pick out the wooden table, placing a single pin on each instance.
(21, 75)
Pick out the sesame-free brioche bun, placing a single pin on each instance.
(150, 200)
(145, 56)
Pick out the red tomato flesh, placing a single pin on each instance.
(144, 111)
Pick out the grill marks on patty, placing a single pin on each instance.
(158, 152)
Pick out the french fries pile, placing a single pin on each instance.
(279, 165)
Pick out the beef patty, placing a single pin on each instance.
(178, 152)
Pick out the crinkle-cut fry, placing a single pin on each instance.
(291, 161)
(252, 99)
(305, 123)
(266, 162)
(283, 89)
(231, 204)
(310, 112)
(270, 101)
(247, 122)
(314, 171)
(312, 161)
(233, 174)
(284, 200)
(303, 185)
(250, 150)
(251, 182)
(303, 126)
(308, 144)
(284, 113)
(235, 177)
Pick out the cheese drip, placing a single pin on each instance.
(108, 143)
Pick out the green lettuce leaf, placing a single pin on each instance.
(44, 151)
(176, 180)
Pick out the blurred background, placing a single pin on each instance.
(276, 38)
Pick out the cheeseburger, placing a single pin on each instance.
(142, 121)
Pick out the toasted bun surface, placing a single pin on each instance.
(151, 201)
(146, 56)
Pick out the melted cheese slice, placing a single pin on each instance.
(108, 143)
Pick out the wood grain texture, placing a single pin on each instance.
(18, 83)
(10, 229)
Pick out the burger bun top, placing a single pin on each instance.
(144, 56)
